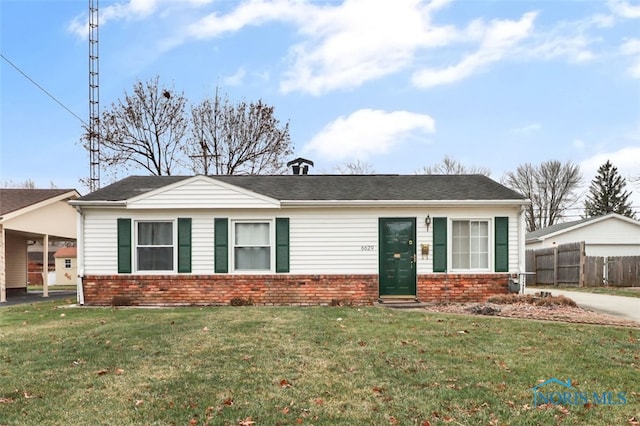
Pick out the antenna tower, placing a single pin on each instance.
(94, 99)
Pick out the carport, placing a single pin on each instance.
(28, 215)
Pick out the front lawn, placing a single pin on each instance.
(314, 365)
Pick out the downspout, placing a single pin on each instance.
(522, 266)
(80, 255)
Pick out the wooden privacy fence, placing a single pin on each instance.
(567, 265)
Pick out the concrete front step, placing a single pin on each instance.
(395, 302)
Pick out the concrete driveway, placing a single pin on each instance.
(620, 306)
(36, 296)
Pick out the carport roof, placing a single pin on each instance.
(13, 199)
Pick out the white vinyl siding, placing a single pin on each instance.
(16, 266)
(322, 240)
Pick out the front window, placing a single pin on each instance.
(470, 244)
(252, 246)
(155, 246)
(67, 264)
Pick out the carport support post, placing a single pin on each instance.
(45, 266)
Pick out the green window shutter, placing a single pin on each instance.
(502, 244)
(282, 244)
(184, 244)
(439, 244)
(221, 237)
(124, 246)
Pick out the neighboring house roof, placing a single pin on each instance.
(66, 252)
(13, 199)
(330, 187)
(561, 228)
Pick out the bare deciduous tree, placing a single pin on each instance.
(354, 168)
(26, 184)
(451, 166)
(551, 188)
(242, 138)
(145, 130)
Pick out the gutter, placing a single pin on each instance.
(98, 203)
(407, 203)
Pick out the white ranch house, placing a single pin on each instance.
(298, 239)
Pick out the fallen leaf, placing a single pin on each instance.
(205, 329)
(393, 420)
(319, 401)
(119, 371)
(102, 372)
(138, 402)
(463, 332)
(299, 420)
(633, 421)
(285, 383)
(6, 400)
(193, 422)
(377, 389)
(246, 422)
(228, 402)
(285, 410)
(425, 423)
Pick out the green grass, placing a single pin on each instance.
(51, 287)
(292, 365)
(614, 291)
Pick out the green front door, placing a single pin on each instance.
(396, 255)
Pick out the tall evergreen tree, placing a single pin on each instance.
(607, 194)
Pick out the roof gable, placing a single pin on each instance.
(201, 192)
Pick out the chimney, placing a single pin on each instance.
(300, 166)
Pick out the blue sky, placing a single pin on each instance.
(395, 84)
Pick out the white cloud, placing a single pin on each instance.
(631, 48)
(236, 78)
(497, 39)
(625, 9)
(368, 132)
(361, 41)
(342, 46)
(131, 11)
(528, 129)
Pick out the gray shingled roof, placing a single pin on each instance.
(555, 228)
(12, 199)
(332, 187)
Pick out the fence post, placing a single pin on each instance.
(582, 265)
(555, 265)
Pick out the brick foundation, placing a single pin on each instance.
(461, 287)
(149, 290)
